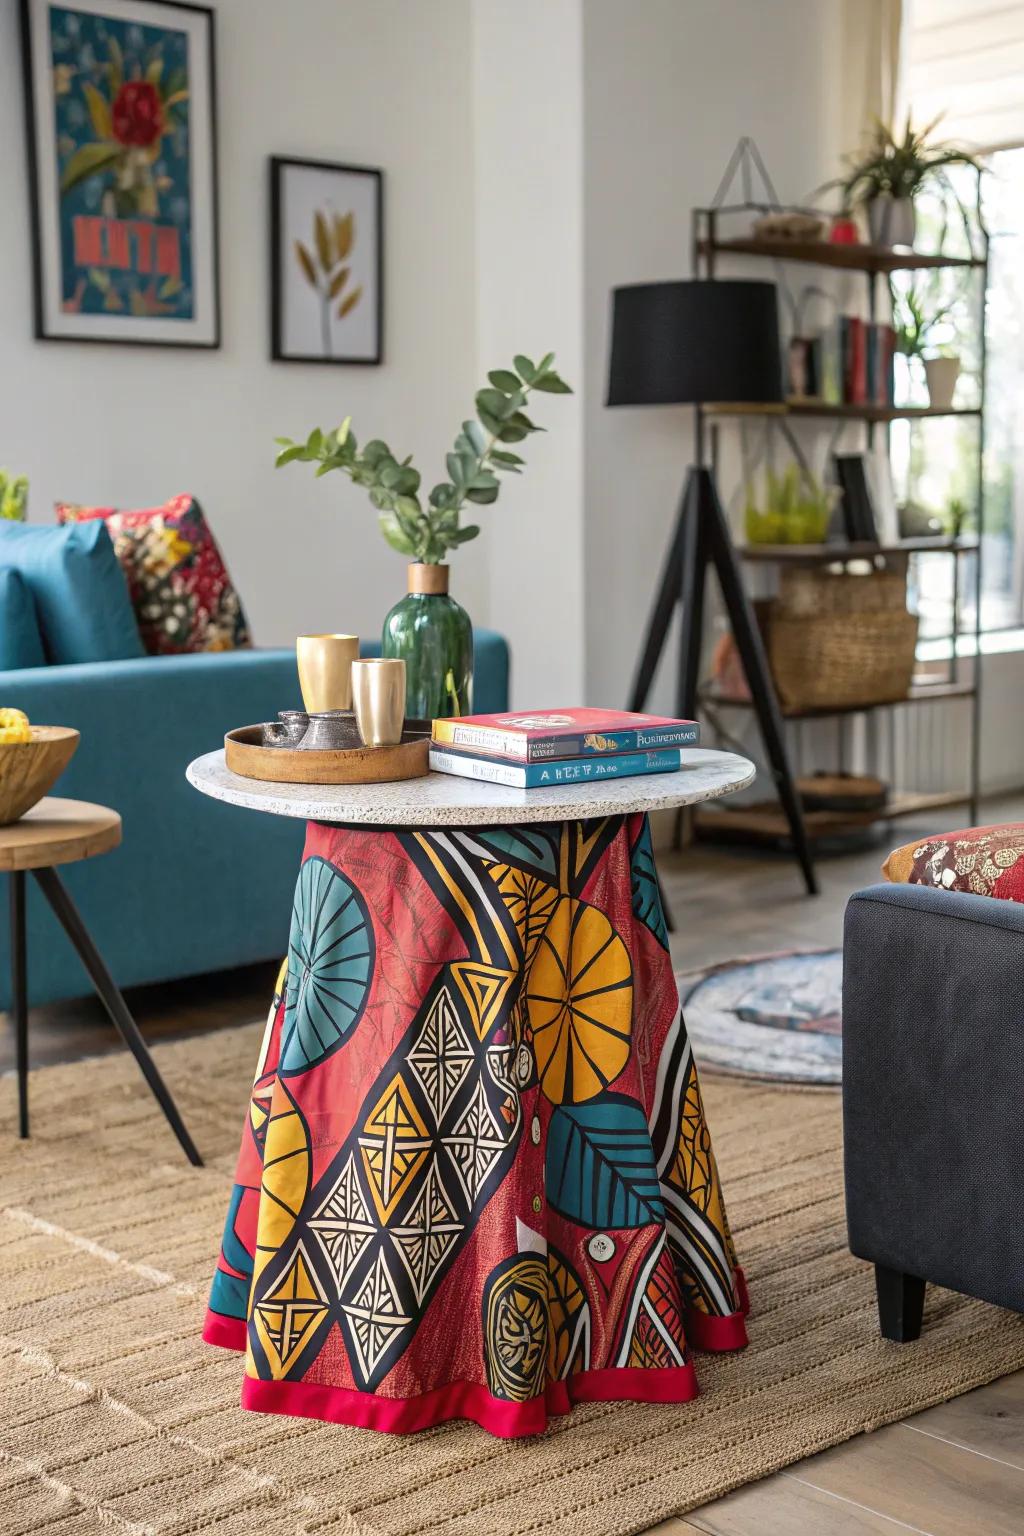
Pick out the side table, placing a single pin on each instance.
(58, 832)
(475, 1178)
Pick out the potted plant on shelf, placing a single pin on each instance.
(919, 328)
(427, 628)
(887, 177)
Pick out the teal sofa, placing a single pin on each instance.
(195, 886)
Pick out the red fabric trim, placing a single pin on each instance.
(225, 1332)
(467, 1400)
(716, 1333)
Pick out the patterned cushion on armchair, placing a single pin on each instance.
(988, 861)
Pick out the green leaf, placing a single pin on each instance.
(453, 464)
(86, 161)
(495, 402)
(99, 111)
(545, 363)
(483, 480)
(314, 441)
(285, 442)
(375, 450)
(510, 433)
(502, 379)
(341, 436)
(463, 535)
(509, 461)
(525, 369)
(491, 422)
(324, 468)
(521, 420)
(287, 455)
(483, 498)
(409, 505)
(477, 438)
(395, 535)
(442, 495)
(551, 384)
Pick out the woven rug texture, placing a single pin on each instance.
(115, 1417)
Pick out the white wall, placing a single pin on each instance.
(375, 82)
(670, 85)
(528, 84)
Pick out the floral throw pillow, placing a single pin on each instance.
(989, 861)
(182, 594)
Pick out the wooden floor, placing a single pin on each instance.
(957, 1470)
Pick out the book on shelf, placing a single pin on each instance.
(557, 734)
(581, 770)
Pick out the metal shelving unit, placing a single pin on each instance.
(873, 263)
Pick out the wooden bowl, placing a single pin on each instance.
(29, 769)
(245, 754)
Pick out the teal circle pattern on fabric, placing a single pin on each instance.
(330, 966)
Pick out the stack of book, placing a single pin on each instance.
(559, 746)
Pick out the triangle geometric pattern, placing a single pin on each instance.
(431, 1229)
(288, 1317)
(375, 1316)
(395, 1145)
(343, 1225)
(484, 988)
(442, 1055)
(476, 1142)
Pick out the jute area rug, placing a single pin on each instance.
(115, 1417)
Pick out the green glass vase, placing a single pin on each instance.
(432, 634)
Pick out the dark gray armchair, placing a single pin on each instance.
(933, 1096)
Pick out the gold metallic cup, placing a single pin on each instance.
(325, 670)
(378, 698)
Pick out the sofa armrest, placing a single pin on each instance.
(933, 1073)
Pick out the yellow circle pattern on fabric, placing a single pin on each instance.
(580, 999)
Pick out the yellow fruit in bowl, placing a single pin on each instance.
(14, 726)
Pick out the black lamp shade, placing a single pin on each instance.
(693, 343)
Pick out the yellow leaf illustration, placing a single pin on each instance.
(99, 111)
(174, 98)
(344, 234)
(347, 305)
(338, 282)
(154, 70)
(323, 241)
(305, 261)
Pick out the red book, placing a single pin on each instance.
(543, 735)
(855, 376)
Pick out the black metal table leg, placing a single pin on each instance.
(19, 994)
(106, 989)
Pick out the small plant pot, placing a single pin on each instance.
(891, 221)
(941, 374)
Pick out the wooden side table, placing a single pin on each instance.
(62, 832)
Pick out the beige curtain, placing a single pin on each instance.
(872, 34)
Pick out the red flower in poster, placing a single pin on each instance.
(137, 114)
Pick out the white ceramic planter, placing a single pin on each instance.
(891, 220)
(941, 374)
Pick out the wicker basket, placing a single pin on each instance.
(850, 642)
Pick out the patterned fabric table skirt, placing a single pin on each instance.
(475, 1179)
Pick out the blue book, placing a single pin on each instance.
(584, 770)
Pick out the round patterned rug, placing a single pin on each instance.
(774, 1017)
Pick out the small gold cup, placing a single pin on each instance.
(378, 698)
(325, 670)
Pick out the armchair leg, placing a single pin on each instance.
(900, 1304)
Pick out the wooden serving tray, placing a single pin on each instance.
(245, 754)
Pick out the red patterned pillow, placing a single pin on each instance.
(180, 588)
(986, 860)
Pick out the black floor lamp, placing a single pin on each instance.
(701, 343)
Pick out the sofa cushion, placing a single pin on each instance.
(183, 597)
(21, 644)
(988, 861)
(85, 613)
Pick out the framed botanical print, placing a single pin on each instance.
(122, 147)
(327, 262)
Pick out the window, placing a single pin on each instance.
(964, 64)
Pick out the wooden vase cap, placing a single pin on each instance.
(430, 580)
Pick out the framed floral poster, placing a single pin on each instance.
(122, 146)
(327, 262)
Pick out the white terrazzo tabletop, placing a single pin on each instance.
(441, 799)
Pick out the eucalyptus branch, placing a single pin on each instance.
(473, 464)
